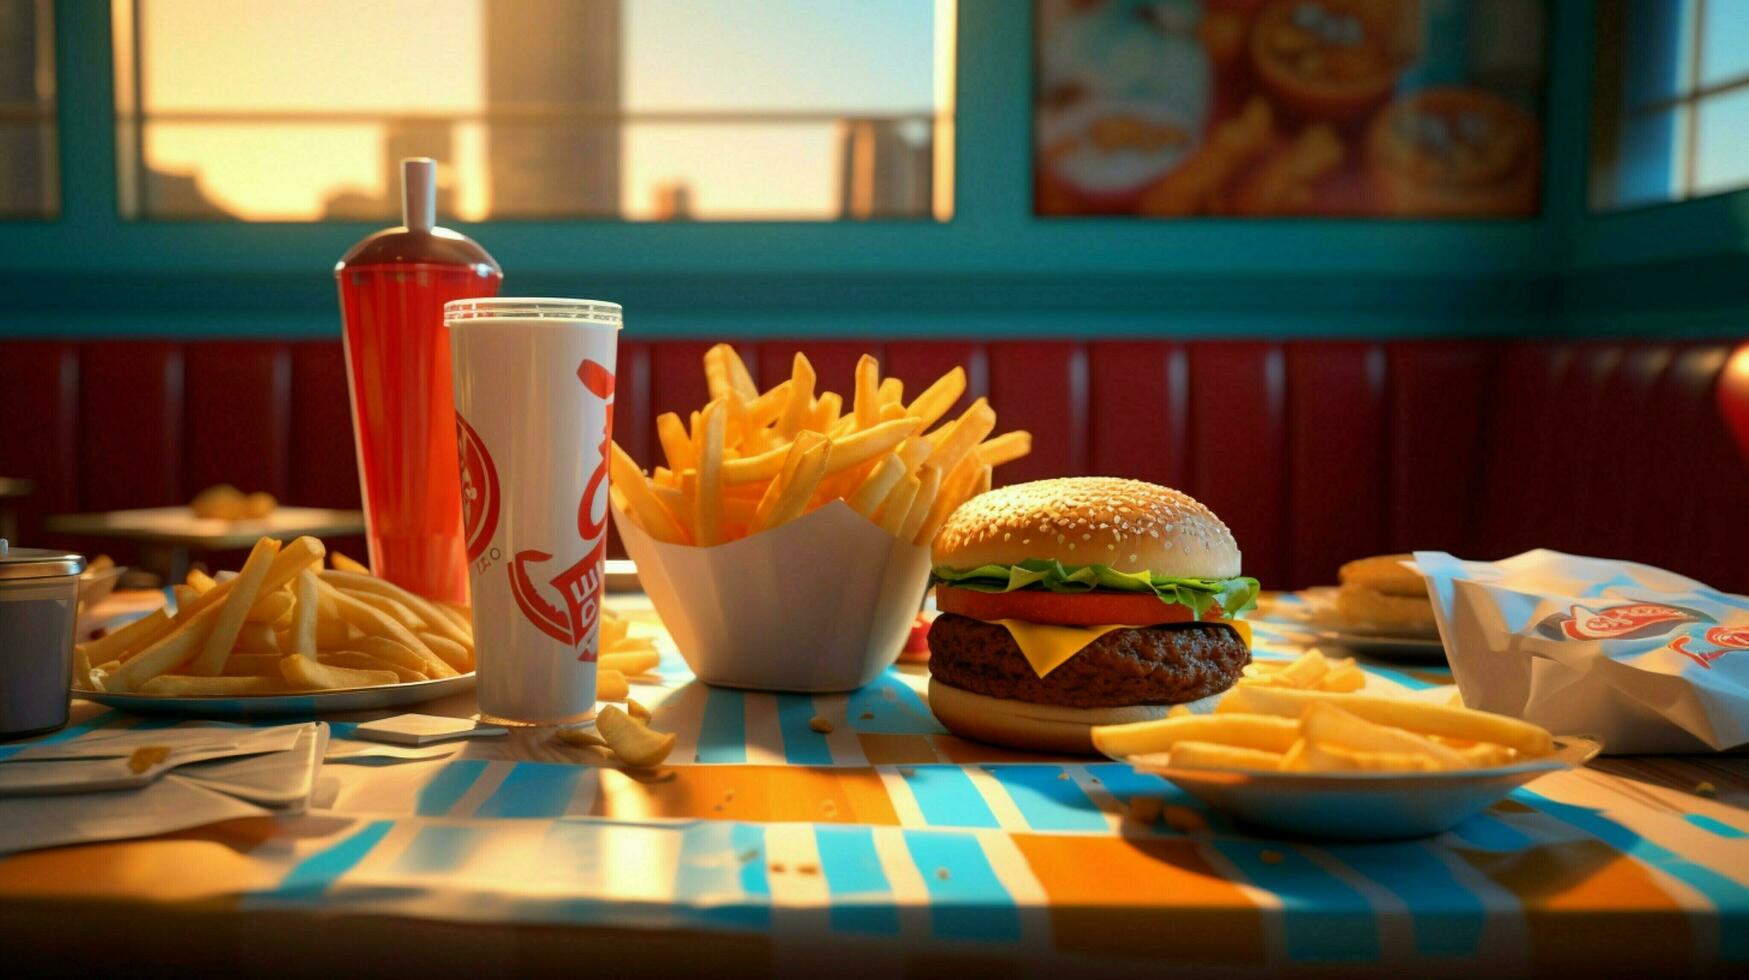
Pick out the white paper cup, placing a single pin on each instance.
(534, 412)
(820, 604)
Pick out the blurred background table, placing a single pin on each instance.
(173, 533)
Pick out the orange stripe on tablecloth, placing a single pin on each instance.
(752, 793)
(1155, 898)
(895, 750)
(205, 863)
(1589, 910)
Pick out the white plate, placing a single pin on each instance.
(303, 704)
(1315, 614)
(1372, 806)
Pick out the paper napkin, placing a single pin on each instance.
(1651, 661)
(210, 774)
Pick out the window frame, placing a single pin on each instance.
(42, 113)
(994, 270)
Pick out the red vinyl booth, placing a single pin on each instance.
(1313, 451)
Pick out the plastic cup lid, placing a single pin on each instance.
(37, 562)
(533, 308)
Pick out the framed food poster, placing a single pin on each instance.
(1265, 108)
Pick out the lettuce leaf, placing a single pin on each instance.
(1234, 594)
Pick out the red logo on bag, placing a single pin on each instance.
(480, 496)
(1630, 621)
(1722, 640)
(579, 586)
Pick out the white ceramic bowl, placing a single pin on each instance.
(1370, 806)
(821, 604)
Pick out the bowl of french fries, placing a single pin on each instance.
(784, 541)
(1297, 749)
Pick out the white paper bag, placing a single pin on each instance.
(1651, 661)
(822, 603)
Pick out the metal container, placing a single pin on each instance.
(39, 605)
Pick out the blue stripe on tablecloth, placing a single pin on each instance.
(1730, 898)
(1489, 833)
(1323, 918)
(100, 720)
(448, 787)
(153, 724)
(314, 875)
(441, 849)
(802, 746)
(1124, 783)
(1048, 798)
(894, 709)
(1397, 676)
(861, 894)
(966, 899)
(1713, 826)
(947, 797)
(722, 735)
(1448, 917)
(722, 875)
(534, 789)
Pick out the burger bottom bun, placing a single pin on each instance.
(1024, 725)
(1358, 604)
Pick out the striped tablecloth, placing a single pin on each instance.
(893, 847)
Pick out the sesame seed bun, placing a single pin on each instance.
(1129, 525)
(1386, 574)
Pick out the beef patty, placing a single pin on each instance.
(1151, 665)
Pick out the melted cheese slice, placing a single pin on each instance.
(1047, 647)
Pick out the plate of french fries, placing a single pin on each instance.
(784, 538)
(1295, 748)
(284, 634)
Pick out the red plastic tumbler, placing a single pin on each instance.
(392, 289)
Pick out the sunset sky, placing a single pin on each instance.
(238, 56)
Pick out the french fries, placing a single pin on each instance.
(1415, 716)
(1284, 720)
(636, 744)
(1311, 671)
(283, 624)
(340, 562)
(299, 627)
(751, 461)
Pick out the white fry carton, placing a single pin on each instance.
(820, 604)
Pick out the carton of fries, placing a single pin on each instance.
(785, 543)
(820, 604)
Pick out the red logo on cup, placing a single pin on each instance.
(579, 586)
(1719, 639)
(480, 495)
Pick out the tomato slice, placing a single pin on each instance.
(1064, 609)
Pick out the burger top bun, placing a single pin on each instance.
(1129, 525)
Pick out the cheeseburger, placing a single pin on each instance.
(1078, 602)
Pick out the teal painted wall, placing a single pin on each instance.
(994, 270)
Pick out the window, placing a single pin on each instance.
(1670, 101)
(635, 109)
(29, 178)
